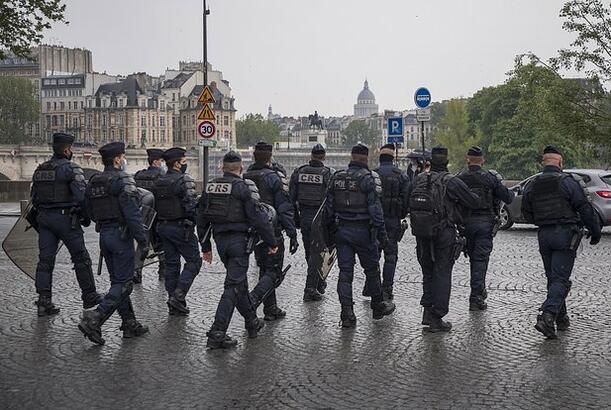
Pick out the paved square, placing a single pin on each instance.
(489, 359)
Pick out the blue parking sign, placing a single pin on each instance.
(395, 130)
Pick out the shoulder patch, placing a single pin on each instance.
(498, 176)
(254, 191)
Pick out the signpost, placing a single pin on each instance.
(205, 98)
(206, 129)
(422, 99)
(395, 133)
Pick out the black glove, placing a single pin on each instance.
(382, 240)
(297, 220)
(294, 245)
(144, 250)
(85, 221)
(595, 238)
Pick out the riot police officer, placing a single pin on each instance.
(480, 224)
(113, 203)
(394, 204)
(308, 189)
(145, 178)
(560, 206)
(229, 207)
(354, 217)
(57, 195)
(435, 201)
(274, 190)
(176, 205)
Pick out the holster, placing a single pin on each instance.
(251, 240)
(578, 234)
(459, 245)
(187, 224)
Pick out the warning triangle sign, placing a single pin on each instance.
(206, 114)
(206, 96)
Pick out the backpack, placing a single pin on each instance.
(428, 213)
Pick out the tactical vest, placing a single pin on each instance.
(549, 203)
(104, 205)
(429, 211)
(391, 193)
(481, 186)
(348, 196)
(47, 188)
(312, 185)
(168, 204)
(265, 191)
(146, 178)
(222, 206)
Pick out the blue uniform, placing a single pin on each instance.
(274, 190)
(112, 201)
(58, 193)
(395, 184)
(480, 223)
(229, 208)
(176, 213)
(558, 205)
(353, 208)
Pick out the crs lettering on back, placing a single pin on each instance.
(310, 179)
(222, 188)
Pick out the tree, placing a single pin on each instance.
(18, 109)
(254, 128)
(359, 131)
(452, 131)
(23, 21)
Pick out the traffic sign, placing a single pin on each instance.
(395, 130)
(422, 97)
(206, 129)
(206, 142)
(206, 114)
(206, 96)
(423, 114)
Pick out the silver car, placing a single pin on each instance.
(598, 184)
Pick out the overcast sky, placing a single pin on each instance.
(302, 55)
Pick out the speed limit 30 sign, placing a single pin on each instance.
(206, 129)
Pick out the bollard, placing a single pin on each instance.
(23, 205)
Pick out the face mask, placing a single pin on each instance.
(183, 168)
(124, 165)
(164, 168)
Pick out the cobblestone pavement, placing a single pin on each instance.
(490, 359)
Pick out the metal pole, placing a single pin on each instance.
(422, 135)
(204, 153)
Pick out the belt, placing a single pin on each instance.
(63, 211)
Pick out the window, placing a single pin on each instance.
(153, 122)
(61, 121)
(162, 105)
(606, 179)
(312, 138)
(104, 103)
(226, 134)
(48, 120)
(162, 135)
(89, 103)
(75, 123)
(225, 120)
(82, 105)
(54, 120)
(61, 81)
(173, 96)
(61, 105)
(54, 106)
(104, 120)
(69, 105)
(192, 119)
(143, 135)
(112, 135)
(74, 105)
(120, 102)
(143, 121)
(48, 106)
(161, 121)
(586, 178)
(153, 134)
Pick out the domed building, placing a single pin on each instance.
(365, 103)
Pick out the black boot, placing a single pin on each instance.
(563, 323)
(311, 295)
(92, 300)
(322, 286)
(46, 306)
(133, 328)
(177, 301)
(254, 326)
(383, 308)
(388, 295)
(91, 326)
(348, 319)
(217, 339)
(273, 313)
(545, 325)
(477, 303)
(438, 325)
(427, 316)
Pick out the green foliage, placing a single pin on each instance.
(254, 128)
(359, 131)
(23, 21)
(453, 131)
(18, 109)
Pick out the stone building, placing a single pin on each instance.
(365, 103)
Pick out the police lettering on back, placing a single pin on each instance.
(222, 188)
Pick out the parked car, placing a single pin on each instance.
(598, 184)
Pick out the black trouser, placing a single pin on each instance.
(436, 259)
(391, 252)
(478, 231)
(270, 268)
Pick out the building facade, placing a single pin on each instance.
(365, 103)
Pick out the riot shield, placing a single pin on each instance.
(321, 258)
(21, 245)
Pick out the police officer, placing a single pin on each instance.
(229, 207)
(274, 190)
(479, 225)
(355, 219)
(308, 188)
(559, 205)
(435, 198)
(145, 178)
(395, 184)
(57, 194)
(113, 203)
(176, 205)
